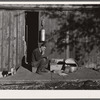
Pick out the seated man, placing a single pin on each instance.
(38, 60)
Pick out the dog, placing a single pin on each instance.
(4, 73)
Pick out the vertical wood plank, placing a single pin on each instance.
(5, 41)
(11, 39)
(12, 21)
(9, 60)
(21, 35)
(16, 39)
(2, 40)
(14, 42)
(22, 19)
(0, 37)
(24, 46)
(19, 38)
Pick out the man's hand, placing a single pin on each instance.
(45, 57)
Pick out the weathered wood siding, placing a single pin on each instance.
(12, 30)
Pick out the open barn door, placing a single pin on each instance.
(32, 24)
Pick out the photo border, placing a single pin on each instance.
(49, 94)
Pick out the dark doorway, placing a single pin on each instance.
(31, 33)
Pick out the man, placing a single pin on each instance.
(38, 59)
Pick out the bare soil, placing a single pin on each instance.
(83, 78)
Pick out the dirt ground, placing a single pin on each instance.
(83, 78)
(61, 85)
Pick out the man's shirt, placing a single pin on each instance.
(36, 55)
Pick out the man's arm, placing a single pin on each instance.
(37, 55)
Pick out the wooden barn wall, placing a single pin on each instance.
(12, 29)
